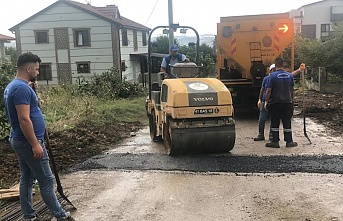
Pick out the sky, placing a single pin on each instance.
(202, 15)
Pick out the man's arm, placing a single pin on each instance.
(268, 92)
(163, 66)
(23, 111)
(184, 58)
(260, 97)
(298, 71)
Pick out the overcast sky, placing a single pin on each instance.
(203, 15)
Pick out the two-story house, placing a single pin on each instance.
(319, 19)
(78, 40)
(4, 39)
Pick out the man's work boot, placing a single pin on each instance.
(291, 144)
(259, 138)
(273, 145)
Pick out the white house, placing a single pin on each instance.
(318, 19)
(4, 39)
(78, 40)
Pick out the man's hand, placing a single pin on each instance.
(34, 85)
(302, 67)
(38, 152)
(266, 106)
(259, 103)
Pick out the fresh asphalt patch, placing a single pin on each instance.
(216, 163)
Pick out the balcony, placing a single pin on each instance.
(336, 13)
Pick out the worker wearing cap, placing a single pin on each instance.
(280, 95)
(171, 59)
(263, 116)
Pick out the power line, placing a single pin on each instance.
(152, 11)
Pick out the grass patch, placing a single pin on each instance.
(64, 109)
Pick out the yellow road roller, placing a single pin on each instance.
(190, 114)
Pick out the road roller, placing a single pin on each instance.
(189, 114)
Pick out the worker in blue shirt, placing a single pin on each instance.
(280, 97)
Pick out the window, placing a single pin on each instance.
(45, 72)
(83, 67)
(325, 28)
(325, 31)
(125, 41)
(82, 37)
(135, 41)
(41, 37)
(123, 65)
(144, 38)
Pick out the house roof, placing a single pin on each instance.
(6, 38)
(109, 13)
(314, 3)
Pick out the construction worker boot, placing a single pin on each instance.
(291, 144)
(273, 145)
(259, 138)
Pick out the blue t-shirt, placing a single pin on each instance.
(264, 85)
(281, 82)
(19, 92)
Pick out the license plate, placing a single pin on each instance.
(203, 111)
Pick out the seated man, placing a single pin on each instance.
(173, 58)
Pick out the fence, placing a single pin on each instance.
(317, 79)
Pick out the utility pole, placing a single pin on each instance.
(171, 30)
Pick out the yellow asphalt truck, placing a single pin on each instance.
(246, 47)
(190, 114)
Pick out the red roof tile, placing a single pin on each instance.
(5, 38)
(107, 13)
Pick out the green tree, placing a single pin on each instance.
(7, 73)
(161, 44)
(205, 58)
(12, 52)
(328, 54)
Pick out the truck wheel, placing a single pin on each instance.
(153, 127)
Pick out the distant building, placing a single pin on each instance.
(4, 39)
(319, 19)
(78, 40)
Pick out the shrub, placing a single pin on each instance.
(109, 85)
(7, 73)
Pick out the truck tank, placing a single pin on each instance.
(246, 46)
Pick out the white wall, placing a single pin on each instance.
(133, 67)
(318, 14)
(99, 54)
